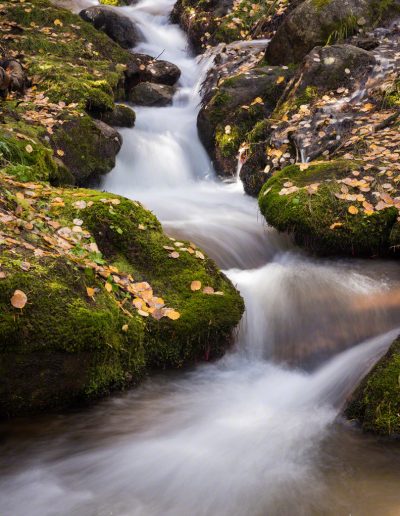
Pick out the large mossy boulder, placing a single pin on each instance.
(376, 402)
(238, 104)
(117, 26)
(320, 22)
(316, 203)
(108, 297)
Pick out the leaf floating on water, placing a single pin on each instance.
(19, 299)
(353, 210)
(195, 285)
(90, 291)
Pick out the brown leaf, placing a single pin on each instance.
(19, 299)
(195, 285)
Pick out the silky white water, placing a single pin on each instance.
(256, 433)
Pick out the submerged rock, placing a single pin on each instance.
(91, 299)
(117, 26)
(376, 402)
(150, 94)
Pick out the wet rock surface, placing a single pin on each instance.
(117, 26)
(150, 94)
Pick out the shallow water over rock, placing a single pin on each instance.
(257, 432)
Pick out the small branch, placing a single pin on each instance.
(159, 55)
(385, 123)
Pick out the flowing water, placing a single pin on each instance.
(258, 432)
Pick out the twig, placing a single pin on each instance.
(385, 123)
(159, 55)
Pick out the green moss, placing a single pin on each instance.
(310, 216)
(85, 346)
(376, 403)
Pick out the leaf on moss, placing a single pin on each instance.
(19, 299)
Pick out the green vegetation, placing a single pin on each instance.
(318, 219)
(376, 403)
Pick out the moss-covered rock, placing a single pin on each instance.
(239, 103)
(212, 22)
(308, 201)
(376, 402)
(319, 22)
(106, 301)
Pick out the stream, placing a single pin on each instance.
(257, 433)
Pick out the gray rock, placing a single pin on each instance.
(121, 116)
(117, 26)
(149, 94)
(315, 23)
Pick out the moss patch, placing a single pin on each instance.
(376, 403)
(318, 219)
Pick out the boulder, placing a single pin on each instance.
(89, 148)
(318, 22)
(121, 116)
(87, 327)
(144, 68)
(149, 94)
(117, 26)
(376, 403)
(312, 202)
(234, 110)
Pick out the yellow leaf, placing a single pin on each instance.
(29, 148)
(90, 291)
(336, 225)
(195, 285)
(19, 299)
(125, 327)
(173, 314)
(280, 79)
(58, 22)
(108, 287)
(60, 152)
(353, 210)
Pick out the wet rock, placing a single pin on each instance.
(117, 26)
(234, 110)
(149, 94)
(255, 171)
(312, 202)
(332, 67)
(315, 23)
(121, 116)
(376, 402)
(88, 147)
(367, 43)
(144, 68)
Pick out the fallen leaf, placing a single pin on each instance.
(353, 210)
(90, 291)
(19, 299)
(195, 285)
